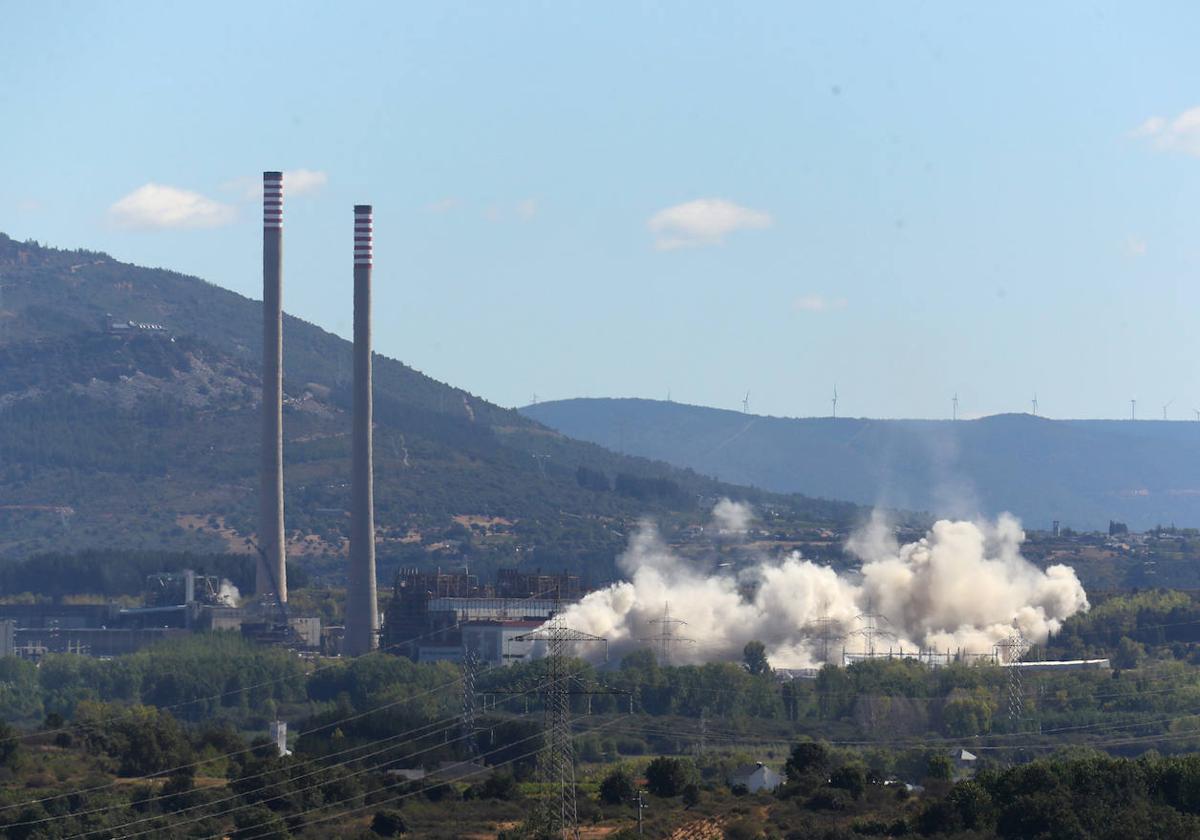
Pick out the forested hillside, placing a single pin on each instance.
(1080, 472)
(150, 441)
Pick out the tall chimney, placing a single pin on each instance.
(271, 575)
(362, 610)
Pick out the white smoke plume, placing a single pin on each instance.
(732, 517)
(228, 595)
(963, 587)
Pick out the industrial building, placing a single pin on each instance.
(175, 605)
(437, 616)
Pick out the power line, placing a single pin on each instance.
(227, 811)
(417, 792)
(557, 765)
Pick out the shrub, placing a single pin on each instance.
(668, 777)
(388, 823)
(617, 787)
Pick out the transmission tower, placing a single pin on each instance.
(556, 764)
(1009, 653)
(666, 637)
(470, 666)
(871, 629)
(825, 631)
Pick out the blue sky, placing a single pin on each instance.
(907, 200)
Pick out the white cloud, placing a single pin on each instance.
(527, 208)
(1135, 246)
(1181, 134)
(442, 205)
(295, 182)
(704, 221)
(523, 210)
(817, 303)
(161, 206)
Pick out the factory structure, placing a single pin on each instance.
(175, 605)
(432, 615)
(439, 616)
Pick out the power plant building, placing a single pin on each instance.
(435, 616)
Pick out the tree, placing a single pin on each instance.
(754, 654)
(940, 766)
(973, 803)
(667, 777)
(260, 824)
(966, 716)
(389, 823)
(617, 787)
(10, 746)
(499, 786)
(807, 758)
(850, 778)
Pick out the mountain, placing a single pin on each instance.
(147, 438)
(1081, 472)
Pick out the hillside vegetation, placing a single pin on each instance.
(1081, 472)
(150, 442)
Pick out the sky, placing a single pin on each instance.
(902, 201)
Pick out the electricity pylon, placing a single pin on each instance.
(1009, 652)
(870, 631)
(470, 666)
(825, 631)
(666, 635)
(556, 764)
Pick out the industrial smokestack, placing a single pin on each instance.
(271, 575)
(362, 610)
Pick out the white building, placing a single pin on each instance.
(755, 777)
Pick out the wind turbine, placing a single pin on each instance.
(835, 402)
(954, 409)
(1035, 414)
(1168, 405)
(1133, 409)
(746, 403)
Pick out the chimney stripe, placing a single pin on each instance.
(273, 200)
(363, 227)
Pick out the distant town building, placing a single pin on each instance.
(112, 326)
(755, 777)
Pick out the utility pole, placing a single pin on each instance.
(556, 764)
(641, 806)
